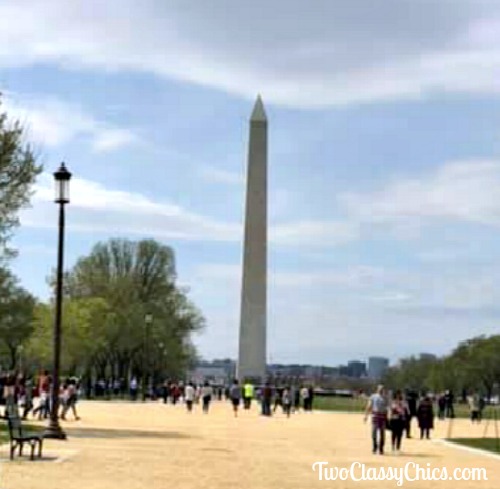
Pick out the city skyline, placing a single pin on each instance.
(384, 190)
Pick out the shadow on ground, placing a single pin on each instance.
(4, 457)
(113, 434)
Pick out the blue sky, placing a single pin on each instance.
(384, 158)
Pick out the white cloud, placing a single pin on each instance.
(52, 122)
(218, 175)
(357, 277)
(111, 139)
(459, 191)
(335, 53)
(314, 233)
(463, 191)
(95, 208)
(324, 314)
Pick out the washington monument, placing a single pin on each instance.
(252, 348)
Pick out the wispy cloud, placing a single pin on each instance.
(325, 56)
(95, 208)
(111, 139)
(464, 191)
(52, 122)
(356, 277)
(219, 175)
(314, 233)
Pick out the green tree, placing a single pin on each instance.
(16, 315)
(136, 278)
(18, 171)
(83, 334)
(479, 362)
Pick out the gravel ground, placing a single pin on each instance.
(137, 446)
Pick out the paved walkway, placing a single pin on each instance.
(136, 446)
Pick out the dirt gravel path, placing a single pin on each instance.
(137, 446)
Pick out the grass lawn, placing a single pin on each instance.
(4, 430)
(489, 444)
(358, 405)
(348, 404)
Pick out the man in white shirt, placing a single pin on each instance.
(378, 406)
(189, 393)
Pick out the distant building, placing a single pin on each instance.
(312, 372)
(377, 366)
(216, 375)
(216, 371)
(343, 371)
(356, 369)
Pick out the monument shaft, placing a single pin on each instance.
(253, 325)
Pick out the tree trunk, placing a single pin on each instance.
(13, 356)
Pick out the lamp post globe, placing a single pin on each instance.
(61, 178)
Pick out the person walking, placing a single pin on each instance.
(411, 407)
(235, 396)
(310, 398)
(248, 392)
(71, 398)
(296, 399)
(166, 391)
(267, 395)
(449, 399)
(197, 395)
(44, 385)
(278, 398)
(189, 394)
(28, 397)
(175, 393)
(397, 421)
(304, 394)
(133, 388)
(286, 401)
(206, 395)
(425, 415)
(377, 407)
(474, 407)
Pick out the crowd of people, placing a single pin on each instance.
(389, 411)
(289, 398)
(33, 395)
(395, 411)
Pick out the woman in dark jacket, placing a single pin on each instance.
(425, 415)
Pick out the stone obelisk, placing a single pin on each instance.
(253, 321)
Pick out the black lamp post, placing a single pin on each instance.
(148, 319)
(62, 178)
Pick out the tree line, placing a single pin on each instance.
(107, 295)
(474, 365)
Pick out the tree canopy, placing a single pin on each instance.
(473, 365)
(107, 296)
(18, 171)
(16, 315)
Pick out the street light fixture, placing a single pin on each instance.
(148, 319)
(62, 177)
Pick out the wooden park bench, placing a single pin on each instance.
(18, 436)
